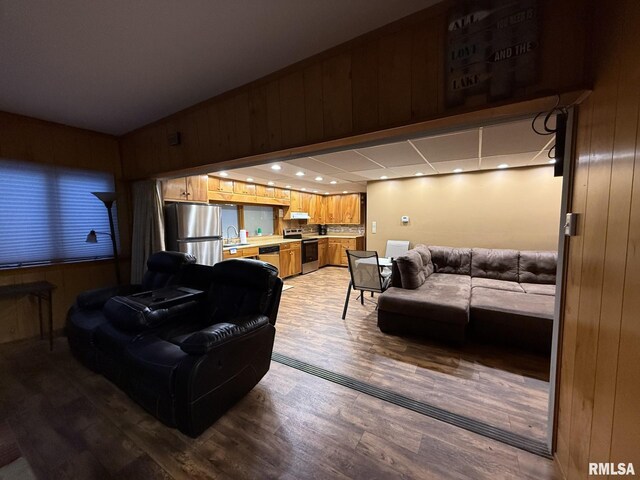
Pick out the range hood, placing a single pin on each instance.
(300, 216)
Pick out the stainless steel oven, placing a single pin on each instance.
(309, 255)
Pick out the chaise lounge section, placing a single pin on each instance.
(495, 295)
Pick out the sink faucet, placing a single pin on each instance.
(235, 229)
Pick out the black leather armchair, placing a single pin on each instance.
(84, 317)
(189, 364)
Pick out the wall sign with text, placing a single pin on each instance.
(492, 48)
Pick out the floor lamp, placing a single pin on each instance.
(107, 198)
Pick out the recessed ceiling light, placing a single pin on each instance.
(315, 191)
(418, 174)
(333, 182)
(287, 186)
(271, 183)
(326, 193)
(503, 165)
(249, 179)
(457, 170)
(223, 174)
(319, 179)
(303, 189)
(383, 177)
(276, 167)
(345, 192)
(299, 174)
(552, 161)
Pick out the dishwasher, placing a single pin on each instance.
(270, 255)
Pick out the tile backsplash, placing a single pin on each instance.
(350, 229)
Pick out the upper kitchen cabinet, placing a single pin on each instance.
(220, 185)
(350, 208)
(186, 189)
(263, 191)
(282, 194)
(317, 209)
(242, 188)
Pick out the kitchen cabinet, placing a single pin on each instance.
(350, 208)
(220, 185)
(323, 251)
(317, 209)
(249, 252)
(282, 194)
(243, 188)
(263, 191)
(295, 201)
(290, 259)
(186, 189)
(305, 201)
(332, 209)
(337, 250)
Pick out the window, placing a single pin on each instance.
(229, 219)
(257, 217)
(46, 213)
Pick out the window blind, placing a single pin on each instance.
(46, 213)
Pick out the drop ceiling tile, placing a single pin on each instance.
(349, 161)
(514, 160)
(454, 146)
(411, 170)
(351, 177)
(541, 159)
(308, 163)
(376, 174)
(466, 165)
(393, 155)
(509, 138)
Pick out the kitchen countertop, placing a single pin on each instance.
(266, 242)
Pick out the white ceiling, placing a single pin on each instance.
(113, 66)
(484, 148)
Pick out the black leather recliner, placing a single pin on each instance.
(189, 363)
(86, 315)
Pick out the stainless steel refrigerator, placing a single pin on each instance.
(195, 229)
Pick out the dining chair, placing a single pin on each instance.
(364, 270)
(395, 248)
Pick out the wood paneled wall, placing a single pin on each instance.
(599, 396)
(24, 138)
(389, 77)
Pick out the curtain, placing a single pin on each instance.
(148, 226)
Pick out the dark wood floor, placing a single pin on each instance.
(506, 389)
(73, 424)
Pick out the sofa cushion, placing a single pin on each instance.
(494, 263)
(451, 260)
(512, 303)
(496, 284)
(431, 301)
(511, 318)
(450, 279)
(411, 268)
(539, 288)
(425, 253)
(538, 267)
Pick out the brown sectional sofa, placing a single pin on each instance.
(499, 296)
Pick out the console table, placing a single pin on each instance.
(41, 290)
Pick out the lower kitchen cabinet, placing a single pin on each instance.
(323, 252)
(337, 250)
(290, 259)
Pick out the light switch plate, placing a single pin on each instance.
(374, 226)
